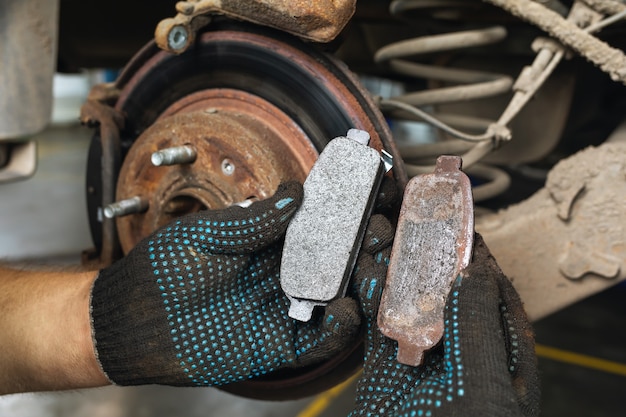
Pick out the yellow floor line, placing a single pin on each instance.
(580, 360)
(323, 400)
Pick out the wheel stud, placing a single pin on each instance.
(174, 156)
(125, 207)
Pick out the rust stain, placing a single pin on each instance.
(319, 21)
(259, 141)
(433, 243)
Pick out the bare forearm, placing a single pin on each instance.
(45, 332)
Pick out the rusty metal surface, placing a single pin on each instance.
(568, 241)
(245, 148)
(97, 113)
(342, 94)
(319, 21)
(319, 94)
(433, 243)
(332, 92)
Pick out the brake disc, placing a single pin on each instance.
(257, 106)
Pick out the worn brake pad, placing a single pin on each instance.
(433, 243)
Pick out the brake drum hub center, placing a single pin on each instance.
(245, 148)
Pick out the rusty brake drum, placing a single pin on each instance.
(257, 105)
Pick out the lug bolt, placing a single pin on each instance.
(174, 156)
(125, 207)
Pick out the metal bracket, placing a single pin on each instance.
(319, 21)
(97, 113)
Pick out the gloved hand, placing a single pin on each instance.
(199, 302)
(485, 365)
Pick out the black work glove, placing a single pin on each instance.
(485, 365)
(199, 302)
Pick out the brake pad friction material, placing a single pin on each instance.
(433, 244)
(325, 235)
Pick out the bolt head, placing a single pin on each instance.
(177, 38)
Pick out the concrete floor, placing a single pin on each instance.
(44, 218)
(595, 327)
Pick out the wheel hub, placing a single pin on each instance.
(256, 106)
(245, 148)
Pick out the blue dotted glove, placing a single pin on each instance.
(485, 365)
(199, 303)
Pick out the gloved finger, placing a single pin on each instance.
(238, 230)
(518, 333)
(388, 194)
(482, 258)
(379, 234)
(367, 284)
(521, 349)
(493, 331)
(334, 333)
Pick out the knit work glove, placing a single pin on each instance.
(485, 365)
(199, 303)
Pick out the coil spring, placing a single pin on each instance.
(468, 85)
(590, 16)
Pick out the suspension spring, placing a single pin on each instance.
(588, 15)
(467, 85)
